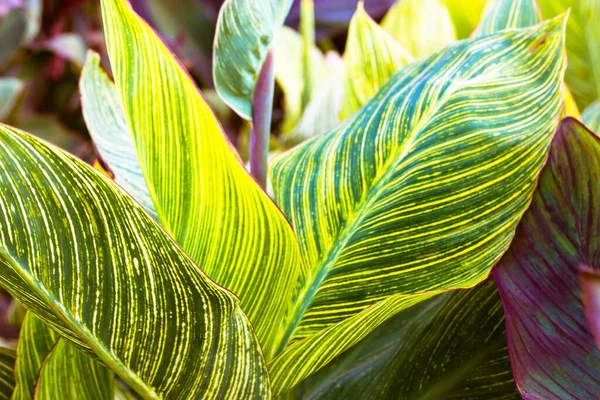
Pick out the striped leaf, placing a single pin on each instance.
(450, 347)
(551, 347)
(591, 117)
(504, 14)
(7, 379)
(244, 35)
(372, 55)
(89, 261)
(67, 373)
(422, 190)
(590, 285)
(202, 193)
(583, 46)
(421, 26)
(105, 119)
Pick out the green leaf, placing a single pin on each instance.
(67, 373)
(245, 33)
(36, 340)
(452, 346)
(591, 117)
(10, 90)
(422, 190)
(421, 26)
(465, 15)
(203, 195)
(583, 46)
(505, 14)
(7, 379)
(372, 55)
(89, 261)
(105, 118)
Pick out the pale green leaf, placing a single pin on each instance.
(421, 26)
(422, 190)
(591, 117)
(245, 33)
(89, 261)
(203, 195)
(372, 55)
(105, 118)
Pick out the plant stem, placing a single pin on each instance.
(262, 110)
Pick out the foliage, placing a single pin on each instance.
(430, 232)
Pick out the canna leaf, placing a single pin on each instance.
(465, 15)
(590, 283)
(583, 46)
(452, 346)
(551, 348)
(67, 373)
(202, 193)
(421, 26)
(105, 118)
(591, 116)
(504, 14)
(372, 55)
(91, 263)
(244, 35)
(7, 380)
(422, 190)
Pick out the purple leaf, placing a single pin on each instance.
(590, 284)
(550, 344)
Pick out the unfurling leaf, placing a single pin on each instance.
(551, 347)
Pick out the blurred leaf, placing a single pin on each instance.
(105, 118)
(430, 178)
(13, 31)
(421, 26)
(245, 33)
(116, 298)
(7, 5)
(7, 379)
(465, 15)
(583, 46)
(372, 55)
(590, 285)
(10, 90)
(591, 117)
(49, 128)
(307, 30)
(552, 351)
(69, 46)
(571, 109)
(452, 346)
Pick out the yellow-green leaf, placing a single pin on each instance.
(422, 190)
(244, 35)
(7, 379)
(421, 26)
(203, 195)
(93, 265)
(372, 55)
(505, 14)
(465, 15)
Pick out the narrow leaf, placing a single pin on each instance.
(244, 36)
(551, 346)
(91, 263)
(421, 26)
(7, 379)
(105, 118)
(372, 55)
(422, 190)
(203, 195)
(505, 14)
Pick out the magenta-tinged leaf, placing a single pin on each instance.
(590, 284)
(551, 347)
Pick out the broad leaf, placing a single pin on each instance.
(422, 190)
(590, 284)
(244, 36)
(203, 195)
(105, 118)
(551, 348)
(591, 117)
(450, 347)
(89, 261)
(583, 46)
(372, 55)
(504, 14)
(421, 26)
(7, 379)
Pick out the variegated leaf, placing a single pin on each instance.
(7, 379)
(422, 190)
(504, 14)
(91, 263)
(202, 193)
